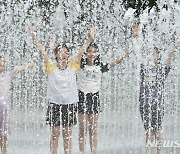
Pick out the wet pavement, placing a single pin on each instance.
(118, 133)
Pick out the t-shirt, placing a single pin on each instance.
(62, 86)
(152, 83)
(89, 78)
(5, 84)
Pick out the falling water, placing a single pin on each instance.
(120, 129)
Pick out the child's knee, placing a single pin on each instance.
(55, 135)
(158, 134)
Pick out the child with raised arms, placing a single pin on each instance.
(5, 86)
(62, 94)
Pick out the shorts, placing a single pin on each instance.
(64, 115)
(152, 116)
(89, 103)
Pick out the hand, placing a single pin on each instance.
(91, 32)
(31, 31)
(31, 64)
(22, 68)
(177, 44)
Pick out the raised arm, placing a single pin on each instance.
(86, 44)
(23, 67)
(120, 59)
(38, 45)
(171, 53)
(47, 45)
(135, 30)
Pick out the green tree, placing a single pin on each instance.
(140, 5)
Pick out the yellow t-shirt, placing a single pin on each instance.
(50, 67)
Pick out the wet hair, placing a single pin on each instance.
(59, 48)
(1, 58)
(136, 22)
(97, 61)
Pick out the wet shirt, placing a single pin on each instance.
(5, 83)
(62, 86)
(89, 78)
(152, 83)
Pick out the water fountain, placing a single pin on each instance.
(120, 127)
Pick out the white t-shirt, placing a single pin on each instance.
(62, 87)
(89, 78)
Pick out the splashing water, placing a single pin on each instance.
(120, 129)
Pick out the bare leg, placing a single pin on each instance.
(159, 140)
(93, 122)
(147, 141)
(55, 133)
(150, 141)
(147, 137)
(67, 138)
(83, 119)
(3, 144)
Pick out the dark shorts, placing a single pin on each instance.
(64, 115)
(89, 103)
(152, 116)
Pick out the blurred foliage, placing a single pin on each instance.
(140, 5)
(48, 7)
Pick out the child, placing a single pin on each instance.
(62, 93)
(89, 83)
(151, 96)
(5, 83)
